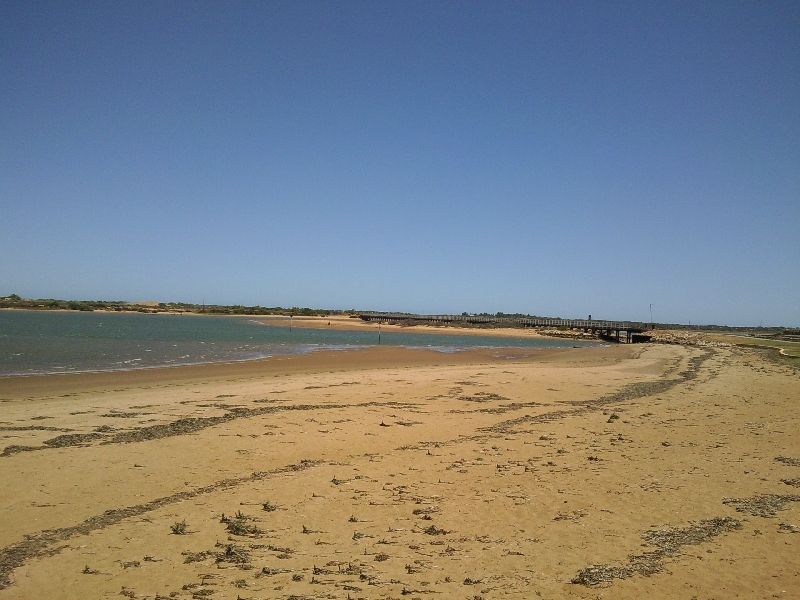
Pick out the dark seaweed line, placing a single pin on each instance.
(632, 391)
(668, 543)
(629, 392)
(38, 544)
(180, 427)
(34, 428)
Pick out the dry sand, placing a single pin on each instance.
(659, 471)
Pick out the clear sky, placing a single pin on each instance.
(559, 159)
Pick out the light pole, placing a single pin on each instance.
(651, 316)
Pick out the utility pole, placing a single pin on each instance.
(651, 316)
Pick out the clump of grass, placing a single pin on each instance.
(425, 511)
(269, 507)
(238, 524)
(268, 571)
(192, 557)
(381, 557)
(297, 577)
(89, 571)
(233, 554)
(240, 527)
(433, 530)
(179, 528)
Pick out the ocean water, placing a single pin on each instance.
(39, 342)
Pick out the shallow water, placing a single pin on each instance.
(38, 342)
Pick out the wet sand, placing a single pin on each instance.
(623, 472)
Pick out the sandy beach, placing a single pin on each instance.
(347, 323)
(626, 471)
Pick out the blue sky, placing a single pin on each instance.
(560, 159)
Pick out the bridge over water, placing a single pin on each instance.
(608, 329)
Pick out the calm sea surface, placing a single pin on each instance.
(33, 342)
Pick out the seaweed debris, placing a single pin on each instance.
(632, 391)
(15, 449)
(668, 543)
(124, 415)
(34, 428)
(182, 426)
(483, 397)
(763, 505)
(41, 544)
(72, 439)
(61, 441)
(189, 425)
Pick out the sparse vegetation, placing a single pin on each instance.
(433, 530)
(239, 525)
(178, 528)
(14, 301)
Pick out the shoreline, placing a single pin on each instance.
(17, 387)
(331, 323)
